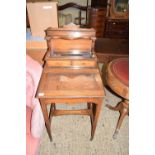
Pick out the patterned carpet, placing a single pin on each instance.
(71, 134)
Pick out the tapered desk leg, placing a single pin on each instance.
(90, 107)
(47, 121)
(96, 116)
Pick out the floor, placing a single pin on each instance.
(71, 134)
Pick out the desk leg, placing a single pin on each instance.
(96, 116)
(90, 107)
(47, 121)
(53, 107)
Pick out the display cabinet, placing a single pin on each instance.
(114, 19)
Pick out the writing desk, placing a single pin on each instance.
(71, 86)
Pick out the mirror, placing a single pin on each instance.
(118, 9)
(121, 5)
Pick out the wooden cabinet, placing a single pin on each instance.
(106, 22)
(116, 28)
(97, 20)
(106, 27)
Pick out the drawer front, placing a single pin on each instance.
(116, 29)
(117, 26)
(72, 63)
(120, 34)
(58, 63)
(85, 63)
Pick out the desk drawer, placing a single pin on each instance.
(72, 63)
(59, 63)
(84, 63)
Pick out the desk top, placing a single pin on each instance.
(70, 83)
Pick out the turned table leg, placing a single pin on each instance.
(123, 108)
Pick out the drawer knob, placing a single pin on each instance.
(114, 23)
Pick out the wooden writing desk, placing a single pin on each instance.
(71, 86)
(71, 75)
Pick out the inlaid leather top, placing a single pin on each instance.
(120, 69)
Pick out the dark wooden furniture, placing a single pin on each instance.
(117, 19)
(116, 28)
(108, 49)
(106, 27)
(97, 17)
(118, 80)
(118, 9)
(96, 3)
(71, 75)
(112, 24)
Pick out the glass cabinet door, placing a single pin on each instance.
(121, 5)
